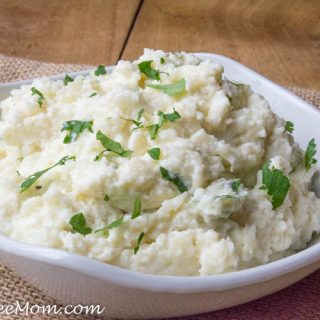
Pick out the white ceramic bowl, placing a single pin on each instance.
(73, 279)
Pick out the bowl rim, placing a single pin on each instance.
(161, 283)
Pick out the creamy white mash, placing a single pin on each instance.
(215, 149)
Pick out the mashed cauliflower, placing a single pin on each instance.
(210, 136)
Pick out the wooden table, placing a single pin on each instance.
(278, 38)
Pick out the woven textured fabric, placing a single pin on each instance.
(298, 302)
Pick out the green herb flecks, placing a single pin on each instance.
(100, 70)
(154, 153)
(163, 117)
(136, 208)
(137, 247)
(145, 67)
(289, 127)
(28, 182)
(275, 183)
(170, 89)
(106, 198)
(39, 94)
(153, 131)
(162, 61)
(75, 128)
(79, 224)
(111, 225)
(235, 185)
(174, 178)
(93, 94)
(112, 145)
(311, 151)
(67, 79)
(137, 123)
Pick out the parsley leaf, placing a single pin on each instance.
(136, 248)
(78, 223)
(100, 70)
(111, 225)
(93, 94)
(275, 183)
(76, 127)
(174, 178)
(28, 182)
(153, 131)
(137, 207)
(170, 89)
(154, 153)
(163, 117)
(100, 155)
(289, 126)
(140, 113)
(235, 185)
(112, 145)
(106, 198)
(162, 61)
(137, 122)
(172, 117)
(310, 153)
(67, 79)
(145, 67)
(39, 94)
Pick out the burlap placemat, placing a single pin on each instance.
(298, 302)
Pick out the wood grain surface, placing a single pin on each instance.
(75, 31)
(278, 38)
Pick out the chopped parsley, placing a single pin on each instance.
(163, 117)
(75, 128)
(154, 153)
(174, 178)
(137, 122)
(311, 151)
(112, 145)
(289, 126)
(136, 248)
(100, 155)
(93, 94)
(162, 61)
(28, 182)
(145, 67)
(100, 70)
(136, 208)
(67, 79)
(111, 225)
(153, 131)
(275, 183)
(79, 224)
(170, 89)
(39, 94)
(235, 185)
(106, 198)
(172, 117)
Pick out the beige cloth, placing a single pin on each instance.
(12, 287)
